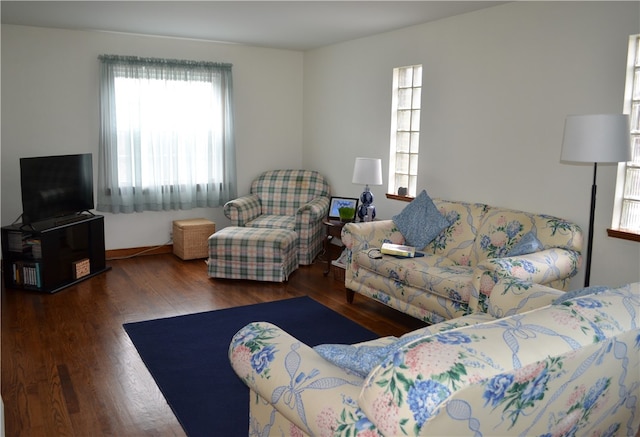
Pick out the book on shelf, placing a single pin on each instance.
(27, 274)
(398, 250)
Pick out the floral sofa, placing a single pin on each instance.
(461, 265)
(532, 365)
(297, 200)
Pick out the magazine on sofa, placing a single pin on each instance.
(398, 250)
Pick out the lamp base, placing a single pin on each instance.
(366, 211)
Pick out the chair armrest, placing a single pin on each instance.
(542, 267)
(362, 236)
(243, 209)
(290, 375)
(512, 296)
(316, 209)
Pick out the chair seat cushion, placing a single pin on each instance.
(273, 222)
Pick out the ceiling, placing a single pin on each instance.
(291, 25)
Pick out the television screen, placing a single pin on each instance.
(55, 186)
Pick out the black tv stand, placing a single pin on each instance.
(59, 221)
(53, 255)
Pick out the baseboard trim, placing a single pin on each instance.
(136, 251)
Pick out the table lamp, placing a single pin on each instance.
(367, 171)
(595, 138)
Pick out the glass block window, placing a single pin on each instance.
(405, 129)
(626, 217)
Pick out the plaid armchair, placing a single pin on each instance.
(289, 199)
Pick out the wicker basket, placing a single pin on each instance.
(338, 272)
(191, 237)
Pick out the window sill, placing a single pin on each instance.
(402, 198)
(624, 235)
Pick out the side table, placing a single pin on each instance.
(334, 229)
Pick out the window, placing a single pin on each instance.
(166, 135)
(626, 215)
(405, 129)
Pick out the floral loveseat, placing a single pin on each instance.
(464, 260)
(531, 365)
(297, 200)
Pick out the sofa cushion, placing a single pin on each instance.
(502, 228)
(282, 192)
(529, 243)
(499, 231)
(456, 241)
(274, 222)
(430, 275)
(420, 221)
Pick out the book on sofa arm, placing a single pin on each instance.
(398, 250)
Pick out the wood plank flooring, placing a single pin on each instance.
(69, 368)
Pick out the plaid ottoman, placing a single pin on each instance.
(260, 254)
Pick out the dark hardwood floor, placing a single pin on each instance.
(69, 368)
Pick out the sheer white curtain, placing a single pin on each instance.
(166, 135)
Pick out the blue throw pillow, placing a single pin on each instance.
(581, 292)
(529, 243)
(420, 222)
(360, 359)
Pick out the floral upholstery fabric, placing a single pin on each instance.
(500, 229)
(569, 369)
(463, 263)
(456, 241)
(297, 200)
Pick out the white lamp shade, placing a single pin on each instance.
(367, 171)
(596, 138)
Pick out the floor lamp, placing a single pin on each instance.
(595, 138)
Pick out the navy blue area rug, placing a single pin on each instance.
(187, 357)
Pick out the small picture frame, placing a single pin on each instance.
(340, 202)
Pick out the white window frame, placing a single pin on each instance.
(626, 210)
(405, 122)
(166, 137)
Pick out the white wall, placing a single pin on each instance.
(497, 86)
(50, 107)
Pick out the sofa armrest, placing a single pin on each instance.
(298, 382)
(544, 267)
(512, 296)
(243, 209)
(316, 210)
(362, 236)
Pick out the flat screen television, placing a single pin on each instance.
(55, 186)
